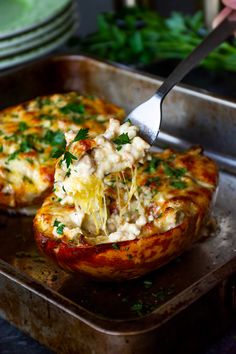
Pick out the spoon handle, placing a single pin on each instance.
(216, 37)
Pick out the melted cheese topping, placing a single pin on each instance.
(82, 184)
(32, 132)
(121, 192)
(151, 197)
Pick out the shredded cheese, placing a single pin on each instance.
(86, 183)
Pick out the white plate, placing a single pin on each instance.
(38, 52)
(19, 16)
(38, 32)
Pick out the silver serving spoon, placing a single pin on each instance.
(148, 115)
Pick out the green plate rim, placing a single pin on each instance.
(41, 31)
(38, 52)
(26, 29)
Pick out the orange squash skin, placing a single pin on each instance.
(129, 260)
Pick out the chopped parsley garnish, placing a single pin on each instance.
(56, 223)
(68, 157)
(153, 180)
(13, 155)
(81, 135)
(138, 308)
(42, 101)
(173, 172)
(179, 184)
(1, 148)
(13, 137)
(29, 160)
(153, 164)
(55, 138)
(22, 126)
(27, 179)
(122, 140)
(68, 173)
(46, 101)
(73, 107)
(25, 146)
(59, 227)
(116, 246)
(57, 152)
(78, 120)
(39, 102)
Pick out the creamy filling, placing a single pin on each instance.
(84, 182)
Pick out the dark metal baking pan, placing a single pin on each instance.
(156, 313)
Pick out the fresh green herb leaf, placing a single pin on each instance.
(46, 101)
(57, 152)
(138, 308)
(56, 223)
(68, 173)
(22, 126)
(116, 246)
(68, 157)
(78, 120)
(153, 180)
(179, 184)
(173, 172)
(24, 146)
(13, 155)
(120, 38)
(81, 135)
(122, 140)
(1, 148)
(55, 138)
(73, 107)
(39, 102)
(153, 164)
(60, 229)
(31, 161)
(27, 179)
(12, 137)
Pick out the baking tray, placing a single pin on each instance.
(164, 311)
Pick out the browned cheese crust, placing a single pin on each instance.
(179, 188)
(32, 132)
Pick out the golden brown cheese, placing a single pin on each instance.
(176, 190)
(33, 132)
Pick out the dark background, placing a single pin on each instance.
(89, 9)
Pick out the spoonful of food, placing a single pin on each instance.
(148, 115)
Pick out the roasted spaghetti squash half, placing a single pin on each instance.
(117, 210)
(32, 135)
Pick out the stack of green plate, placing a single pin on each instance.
(32, 28)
